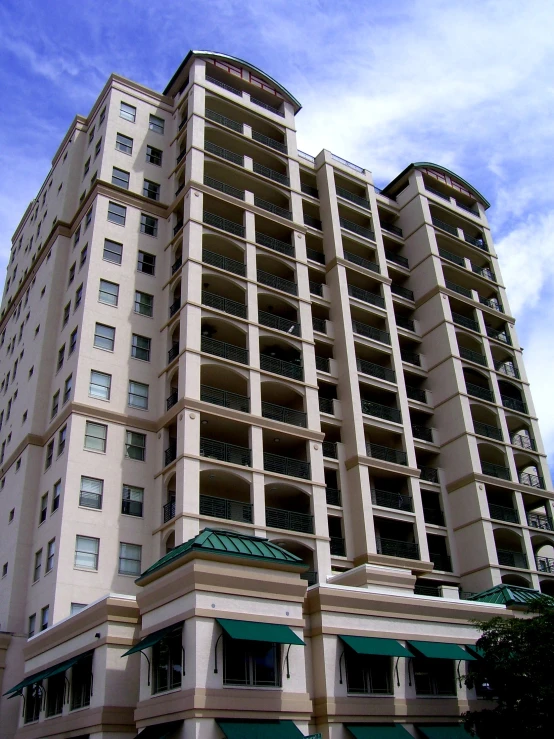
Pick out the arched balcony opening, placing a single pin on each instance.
(518, 580)
(169, 495)
(228, 389)
(276, 273)
(175, 299)
(470, 348)
(304, 552)
(538, 512)
(168, 544)
(493, 461)
(504, 361)
(390, 491)
(512, 397)
(225, 495)
(288, 507)
(172, 389)
(462, 283)
(486, 421)
(219, 251)
(224, 339)
(379, 403)
(174, 337)
(384, 445)
(547, 587)
(275, 236)
(543, 549)
(529, 471)
(281, 402)
(170, 439)
(223, 215)
(478, 385)
(218, 106)
(368, 325)
(502, 506)
(510, 549)
(225, 440)
(224, 295)
(521, 434)
(363, 255)
(285, 454)
(395, 538)
(280, 357)
(463, 315)
(278, 314)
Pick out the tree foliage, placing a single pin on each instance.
(517, 672)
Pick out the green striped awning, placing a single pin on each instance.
(374, 645)
(36, 677)
(439, 650)
(151, 639)
(259, 631)
(260, 729)
(376, 731)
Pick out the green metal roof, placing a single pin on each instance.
(376, 731)
(230, 543)
(259, 631)
(280, 729)
(509, 595)
(375, 645)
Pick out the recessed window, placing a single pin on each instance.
(56, 496)
(154, 156)
(55, 403)
(128, 112)
(120, 178)
(100, 385)
(124, 143)
(44, 616)
(49, 454)
(67, 388)
(43, 508)
(148, 225)
(91, 492)
(95, 436)
(167, 661)
(76, 236)
(50, 553)
(97, 147)
(31, 627)
(135, 445)
(251, 663)
(66, 312)
(113, 251)
(132, 500)
(88, 218)
(146, 263)
(144, 303)
(102, 116)
(62, 438)
(156, 124)
(117, 213)
(73, 341)
(151, 190)
(61, 357)
(81, 683)
(104, 337)
(86, 552)
(108, 292)
(84, 252)
(129, 559)
(368, 674)
(37, 566)
(87, 167)
(138, 395)
(4, 569)
(434, 676)
(140, 347)
(91, 136)
(71, 273)
(78, 297)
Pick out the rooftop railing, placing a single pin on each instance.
(307, 157)
(346, 163)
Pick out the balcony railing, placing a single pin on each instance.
(319, 324)
(381, 411)
(281, 246)
(496, 470)
(534, 481)
(173, 353)
(438, 193)
(386, 454)
(223, 349)
(178, 226)
(224, 224)
(225, 452)
(524, 442)
(326, 405)
(479, 242)
(394, 548)
(375, 370)
(279, 283)
(367, 233)
(433, 516)
(323, 364)
(545, 564)
(219, 151)
(182, 155)
(174, 307)
(361, 261)
(229, 265)
(391, 228)
(309, 190)
(313, 222)
(503, 336)
(177, 264)
(485, 429)
(398, 501)
(371, 332)
(268, 141)
(507, 368)
(168, 511)
(472, 356)
(337, 546)
(234, 90)
(441, 561)
(449, 256)
(477, 391)
(281, 367)
(422, 432)
(352, 197)
(316, 288)
(223, 187)
(493, 303)
(540, 521)
(224, 121)
(307, 157)
(224, 398)
(486, 272)
(271, 108)
(170, 454)
(290, 520)
(310, 576)
(272, 208)
(271, 174)
(507, 558)
(514, 404)
(403, 292)
(465, 322)
(271, 320)
(410, 357)
(406, 323)
(283, 414)
(458, 289)
(330, 449)
(503, 513)
(286, 466)
(232, 307)
(416, 393)
(467, 208)
(348, 164)
(366, 296)
(172, 400)
(392, 256)
(433, 590)
(429, 474)
(445, 226)
(315, 256)
(332, 496)
(231, 510)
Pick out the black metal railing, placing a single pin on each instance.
(309, 190)
(422, 432)
(534, 481)
(332, 496)
(465, 321)
(502, 336)
(224, 121)
(177, 264)
(168, 511)
(223, 187)
(219, 151)
(473, 356)
(367, 233)
(449, 256)
(403, 322)
(524, 442)
(326, 405)
(279, 283)
(416, 393)
(286, 466)
(486, 272)
(429, 474)
(173, 353)
(371, 332)
(271, 174)
(540, 521)
(272, 208)
(281, 367)
(403, 292)
(493, 303)
(375, 370)
(232, 307)
(337, 546)
(172, 400)
(477, 391)
(394, 548)
(281, 246)
(433, 516)
(496, 470)
(290, 520)
(410, 357)
(225, 452)
(386, 454)
(283, 414)
(508, 558)
(352, 197)
(316, 288)
(174, 307)
(170, 454)
(229, 265)
(224, 224)
(503, 513)
(323, 364)
(361, 261)
(231, 510)
(181, 156)
(438, 193)
(485, 429)
(441, 561)
(545, 564)
(433, 590)
(271, 320)
(507, 368)
(458, 289)
(224, 398)
(445, 226)
(223, 349)
(313, 222)
(310, 576)
(366, 296)
(178, 226)
(514, 404)
(319, 324)
(398, 501)
(268, 141)
(271, 108)
(315, 256)
(229, 88)
(467, 208)
(392, 256)
(381, 411)
(478, 242)
(330, 449)
(391, 228)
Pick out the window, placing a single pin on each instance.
(56, 496)
(78, 297)
(102, 116)
(55, 694)
(251, 663)
(368, 674)
(135, 445)
(61, 356)
(55, 403)
(138, 395)
(76, 236)
(32, 623)
(112, 251)
(108, 292)
(132, 500)
(50, 552)
(86, 552)
(167, 665)
(120, 178)
(84, 252)
(128, 112)
(66, 312)
(129, 559)
(91, 136)
(88, 218)
(77, 608)
(38, 565)
(434, 676)
(43, 508)
(97, 148)
(146, 263)
(95, 436)
(151, 190)
(92, 490)
(12, 512)
(154, 156)
(72, 341)
(44, 616)
(62, 438)
(4, 569)
(81, 683)
(87, 167)
(49, 454)
(33, 702)
(148, 225)
(144, 303)
(140, 347)
(124, 144)
(117, 213)
(67, 388)
(156, 124)
(100, 385)
(104, 337)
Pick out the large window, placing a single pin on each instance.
(148, 225)
(128, 112)
(144, 303)
(120, 177)
(113, 251)
(167, 661)
(151, 190)
(368, 673)
(95, 436)
(86, 552)
(108, 292)
(154, 156)
(33, 702)
(81, 683)
(104, 337)
(55, 694)
(140, 347)
(156, 123)
(124, 143)
(117, 213)
(135, 445)
(251, 663)
(90, 495)
(146, 263)
(129, 559)
(132, 500)
(138, 395)
(434, 676)
(100, 385)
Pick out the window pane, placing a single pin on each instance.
(140, 348)
(91, 492)
(148, 225)
(86, 552)
(265, 670)
(95, 436)
(108, 292)
(154, 156)
(129, 559)
(156, 124)
(135, 445)
(167, 662)
(112, 251)
(129, 112)
(117, 213)
(132, 500)
(138, 395)
(104, 336)
(151, 190)
(120, 178)
(146, 263)
(100, 385)
(235, 662)
(144, 303)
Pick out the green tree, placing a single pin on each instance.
(517, 672)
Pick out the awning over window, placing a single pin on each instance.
(476, 651)
(159, 731)
(260, 729)
(374, 731)
(258, 631)
(439, 650)
(44, 674)
(453, 731)
(151, 639)
(373, 645)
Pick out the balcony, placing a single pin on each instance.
(371, 332)
(211, 300)
(316, 288)
(376, 370)
(326, 405)
(503, 513)
(224, 224)
(394, 548)
(514, 404)
(433, 590)
(403, 292)
(485, 272)
(271, 108)
(332, 496)
(229, 265)
(231, 510)
(392, 256)
(459, 289)
(225, 452)
(271, 174)
(224, 121)
(406, 323)
(361, 262)
(507, 368)
(224, 398)
(441, 561)
(330, 449)
(170, 454)
(523, 441)
(168, 511)
(410, 357)
(286, 466)
(312, 222)
(174, 307)
(315, 256)
(433, 516)
(219, 151)
(319, 324)
(367, 233)
(429, 474)
(416, 393)
(223, 187)
(366, 296)
(347, 195)
(444, 226)
(178, 226)
(545, 564)
(478, 242)
(493, 303)
(507, 558)
(472, 356)
(279, 283)
(290, 520)
(386, 454)
(337, 546)
(422, 433)
(485, 429)
(281, 367)
(476, 391)
(313, 192)
(323, 364)
(540, 521)
(386, 499)
(496, 470)
(224, 350)
(381, 411)
(172, 400)
(502, 336)
(450, 257)
(271, 320)
(177, 264)
(234, 90)
(533, 481)
(310, 576)
(438, 193)
(465, 322)
(280, 246)
(391, 228)
(173, 353)
(283, 414)
(272, 208)
(268, 141)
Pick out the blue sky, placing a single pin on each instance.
(467, 84)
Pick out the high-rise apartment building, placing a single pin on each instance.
(295, 405)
